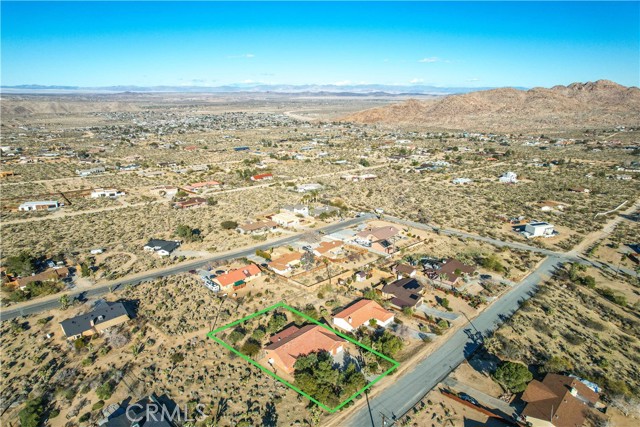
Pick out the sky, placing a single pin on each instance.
(449, 44)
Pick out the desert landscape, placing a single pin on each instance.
(319, 214)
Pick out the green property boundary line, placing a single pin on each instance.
(213, 333)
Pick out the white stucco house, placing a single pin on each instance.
(539, 229)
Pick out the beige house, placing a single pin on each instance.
(286, 219)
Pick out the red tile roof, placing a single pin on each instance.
(325, 247)
(284, 334)
(379, 233)
(309, 339)
(363, 311)
(237, 275)
(261, 176)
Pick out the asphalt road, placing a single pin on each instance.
(565, 256)
(397, 398)
(99, 290)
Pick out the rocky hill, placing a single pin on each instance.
(580, 105)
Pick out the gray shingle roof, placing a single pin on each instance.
(167, 245)
(103, 312)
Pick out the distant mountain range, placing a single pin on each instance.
(369, 90)
(578, 105)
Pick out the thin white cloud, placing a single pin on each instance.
(342, 83)
(431, 60)
(473, 80)
(416, 80)
(244, 55)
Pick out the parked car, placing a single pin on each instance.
(466, 397)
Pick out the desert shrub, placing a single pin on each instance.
(22, 264)
(588, 281)
(593, 324)
(187, 233)
(99, 404)
(611, 295)
(264, 254)
(557, 364)
(492, 262)
(513, 376)
(258, 334)
(105, 391)
(573, 338)
(250, 348)
(31, 414)
(229, 225)
(276, 322)
(310, 311)
(236, 335)
(315, 375)
(177, 357)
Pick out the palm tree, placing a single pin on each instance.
(326, 264)
(314, 195)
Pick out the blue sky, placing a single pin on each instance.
(211, 44)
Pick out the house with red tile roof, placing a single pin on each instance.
(379, 238)
(192, 202)
(257, 228)
(284, 263)
(371, 235)
(262, 177)
(294, 342)
(329, 249)
(238, 277)
(361, 313)
(199, 186)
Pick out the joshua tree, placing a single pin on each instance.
(64, 301)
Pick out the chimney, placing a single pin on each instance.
(350, 319)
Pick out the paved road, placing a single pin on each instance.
(398, 397)
(565, 256)
(38, 306)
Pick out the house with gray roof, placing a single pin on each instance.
(296, 209)
(329, 210)
(162, 247)
(103, 316)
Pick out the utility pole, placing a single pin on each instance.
(470, 322)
